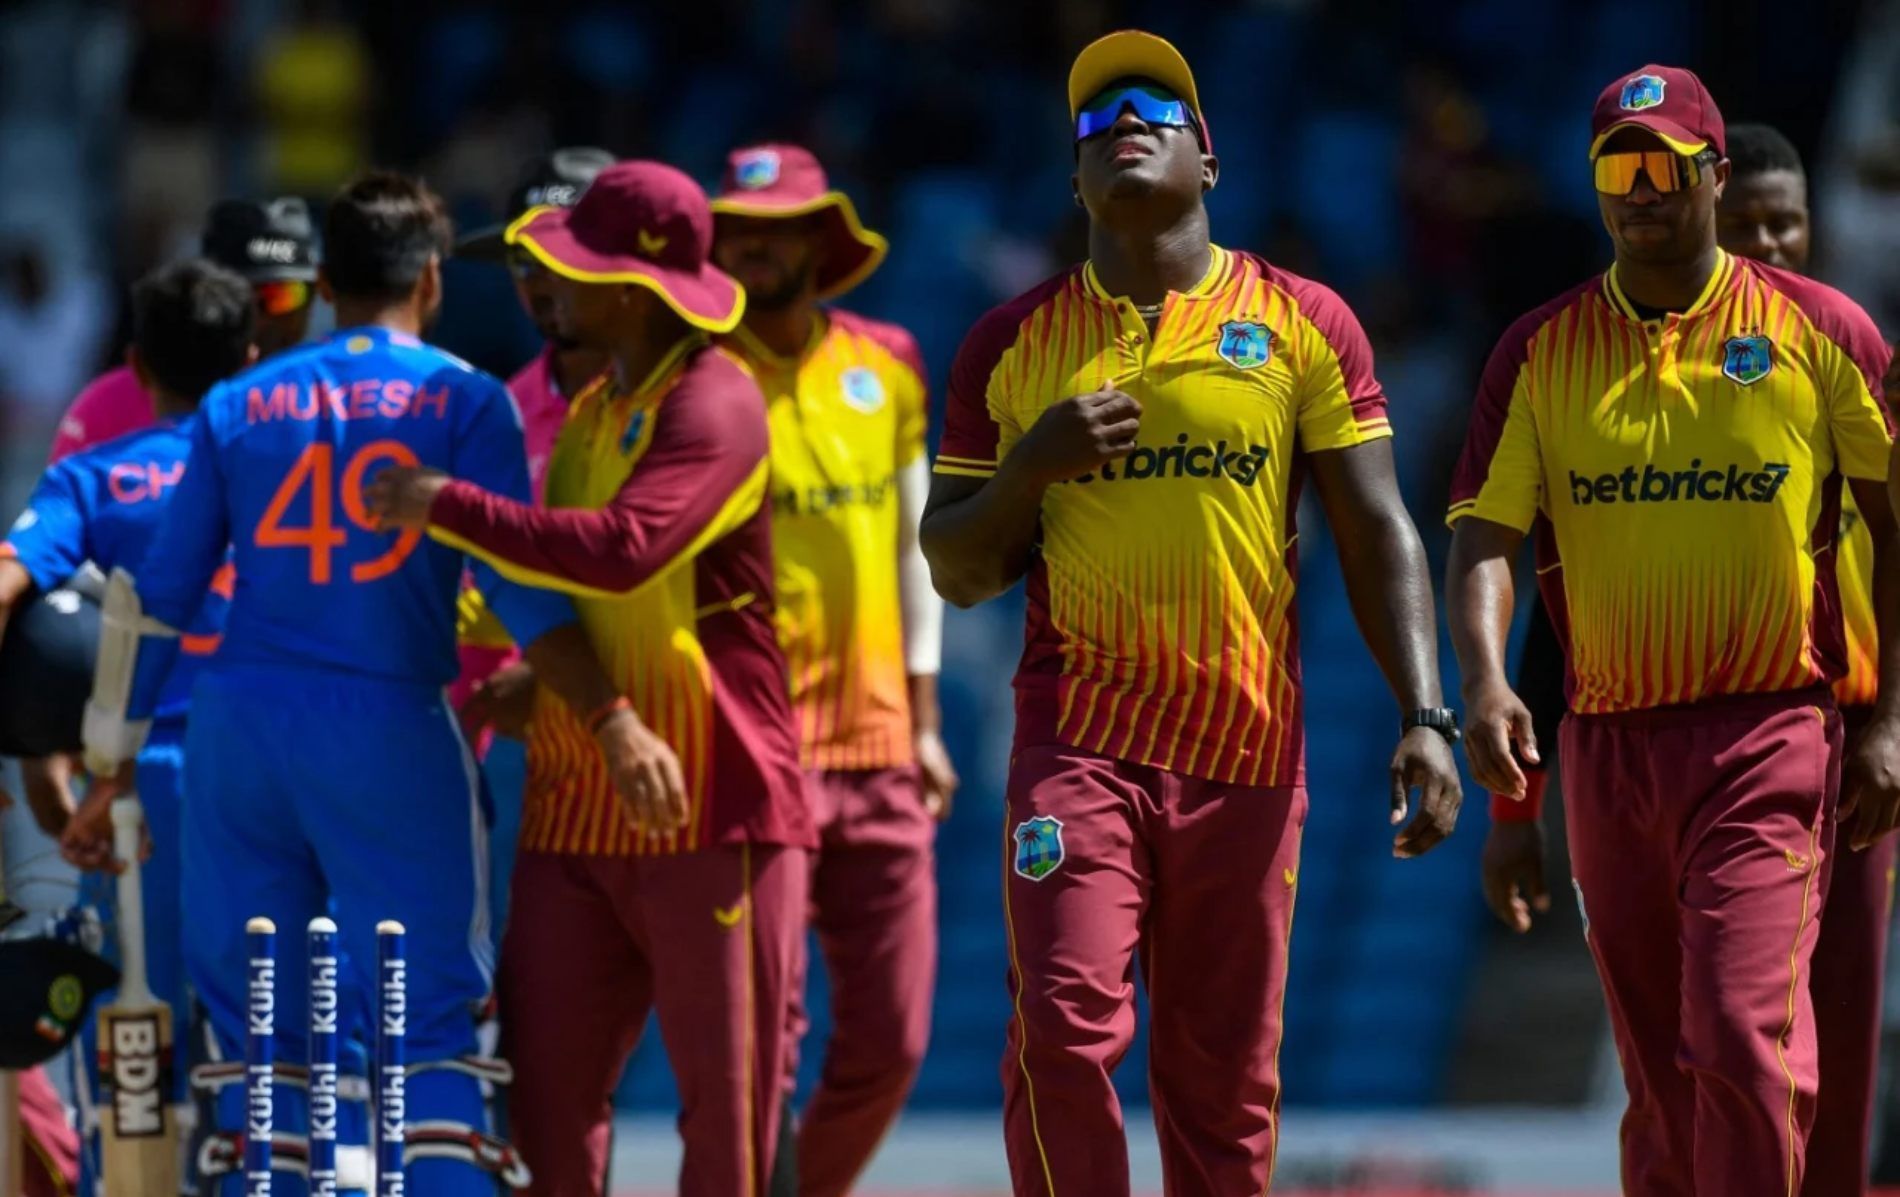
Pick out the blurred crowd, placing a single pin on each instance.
(1423, 159)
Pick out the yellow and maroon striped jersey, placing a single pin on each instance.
(1690, 472)
(656, 524)
(845, 416)
(1161, 626)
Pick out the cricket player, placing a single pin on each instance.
(1131, 436)
(690, 901)
(1679, 429)
(193, 326)
(861, 628)
(327, 773)
(1763, 214)
(273, 246)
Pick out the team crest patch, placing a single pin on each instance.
(65, 997)
(1245, 345)
(1642, 91)
(636, 424)
(1748, 360)
(1039, 849)
(862, 390)
(756, 170)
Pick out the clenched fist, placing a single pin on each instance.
(1078, 435)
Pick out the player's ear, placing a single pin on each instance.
(251, 354)
(1075, 189)
(1210, 172)
(1721, 173)
(429, 286)
(324, 289)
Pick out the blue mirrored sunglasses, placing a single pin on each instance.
(1151, 104)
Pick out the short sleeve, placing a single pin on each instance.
(973, 436)
(1854, 363)
(1500, 473)
(526, 613)
(912, 397)
(49, 537)
(489, 448)
(1341, 403)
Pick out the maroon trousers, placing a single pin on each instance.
(1849, 966)
(706, 939)
(1701, 841)
(1104, 859)
(874, 908)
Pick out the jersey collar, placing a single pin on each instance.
(759, 351)
(375, 332)
(1718, 282)
(1210, 283)
(662, 372)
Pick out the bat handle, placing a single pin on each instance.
(127, 820)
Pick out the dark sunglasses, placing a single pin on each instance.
(282, 296)
(1666, 170)
(524, 265)
(1152, 105)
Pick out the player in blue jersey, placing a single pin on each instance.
(326, 770)
(193, 325)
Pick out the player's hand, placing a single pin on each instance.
(400, 496)
(646, 774)
(1495, 719)
(1423, 763)
(49, 791)
(1078, 435)
(503, 700)
(87, 841)
(937, 774)
(1513, 873)
(1870, 784)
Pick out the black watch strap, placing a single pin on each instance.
(1442, 720)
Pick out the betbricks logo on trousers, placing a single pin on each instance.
(1729, 484)
(1238, 463)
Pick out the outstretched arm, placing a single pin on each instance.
(702, 474)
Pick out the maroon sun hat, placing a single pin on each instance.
(643, 223)
(784, 181)
(1667, 101)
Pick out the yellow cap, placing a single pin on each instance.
(1129, 53)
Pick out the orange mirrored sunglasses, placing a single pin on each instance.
(1667, 171)
(282, 296)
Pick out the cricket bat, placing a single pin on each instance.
(138, 1128)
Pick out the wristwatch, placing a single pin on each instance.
(1442, 720)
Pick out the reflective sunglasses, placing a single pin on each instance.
(1153, 105)
(282, 296)
(1667, 171)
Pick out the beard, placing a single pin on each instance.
(785, 291)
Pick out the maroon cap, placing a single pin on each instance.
(643, 223)
(782, 181)
(1667, 101)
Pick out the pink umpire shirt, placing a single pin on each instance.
(112, 405)
(543, 409)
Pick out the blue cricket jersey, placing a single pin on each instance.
(105, 505)
(279, 459)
